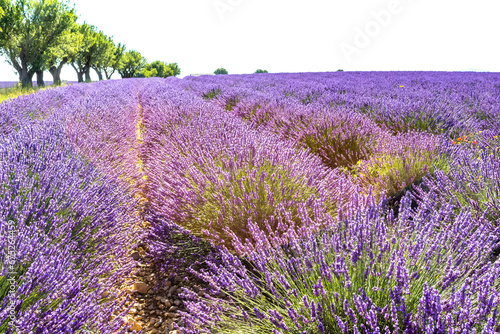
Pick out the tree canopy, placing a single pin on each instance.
(1, 14)
(261, 71)
(130, 63)
(159, 69)
(221, 71)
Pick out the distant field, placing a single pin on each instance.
(12, 89)
(6, 84)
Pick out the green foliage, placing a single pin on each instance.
(2, 13)
(221, 71)
(338, 142)
(261, 71)
(212, 93)
(175, 69)
(249, 193)
(27, 300)
(158, 69)
(131, 63)
(146, 72)
(391, 173)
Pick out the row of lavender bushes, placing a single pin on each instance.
(66, 170)
(429, 266)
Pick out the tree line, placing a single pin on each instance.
(43, 35)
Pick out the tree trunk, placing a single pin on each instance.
(56, 72)
(39, 79)
(25, 79)
(99, 74)
(24, 75)
(87, 75)
(79, 74)
(108, 75)
(56, 75)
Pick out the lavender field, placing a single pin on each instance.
(347, 202)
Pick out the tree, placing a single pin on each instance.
(221, 71)
(114, 64)
(175, 69)
(146, 72)
(28, 30)
(158, 69)
(87, 53)
(66, 49)
(106, 54)
(261, 71)
(130, 63)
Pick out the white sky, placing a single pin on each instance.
(300, 36)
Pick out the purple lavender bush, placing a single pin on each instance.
(65, 234)
(426, 271)
(400, 162)
(471, 179)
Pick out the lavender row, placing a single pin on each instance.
(97, 125)
(102, 125)
(66, 231)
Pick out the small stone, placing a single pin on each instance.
(177, 302)
(133, 325)
(172, 289)
(172, 315)
(173, 309)
(141, 287)
(136, 256)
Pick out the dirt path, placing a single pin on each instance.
(153, 301)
